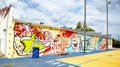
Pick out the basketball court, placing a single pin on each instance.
(103, 59)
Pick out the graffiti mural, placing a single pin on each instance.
(94, 43)
(102, 43)
(73, 44)
(52, 40)
(27, 36)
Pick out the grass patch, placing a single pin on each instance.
(8, 66)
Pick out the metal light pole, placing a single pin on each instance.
(107, 3)
(84, 25)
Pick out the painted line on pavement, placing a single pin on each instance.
(57, 63)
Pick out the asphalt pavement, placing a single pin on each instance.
(45, 60)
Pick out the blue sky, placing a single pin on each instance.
(67, 13)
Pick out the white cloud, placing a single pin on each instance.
(67, 12)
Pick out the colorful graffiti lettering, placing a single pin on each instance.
(26, 37)
(55, 47)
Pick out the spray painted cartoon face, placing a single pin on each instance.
(20, 30)
(75, 43)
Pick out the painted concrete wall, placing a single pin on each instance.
(51, 40)
(95, 43)
(23, 36)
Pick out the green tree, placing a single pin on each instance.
(114, 40)
(81, 27)
(89, 29)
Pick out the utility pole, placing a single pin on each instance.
(107, 3)
(84, 25)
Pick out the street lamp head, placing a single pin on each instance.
(108, 2)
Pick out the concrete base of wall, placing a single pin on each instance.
(1, 54)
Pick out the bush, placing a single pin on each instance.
(116, 44)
